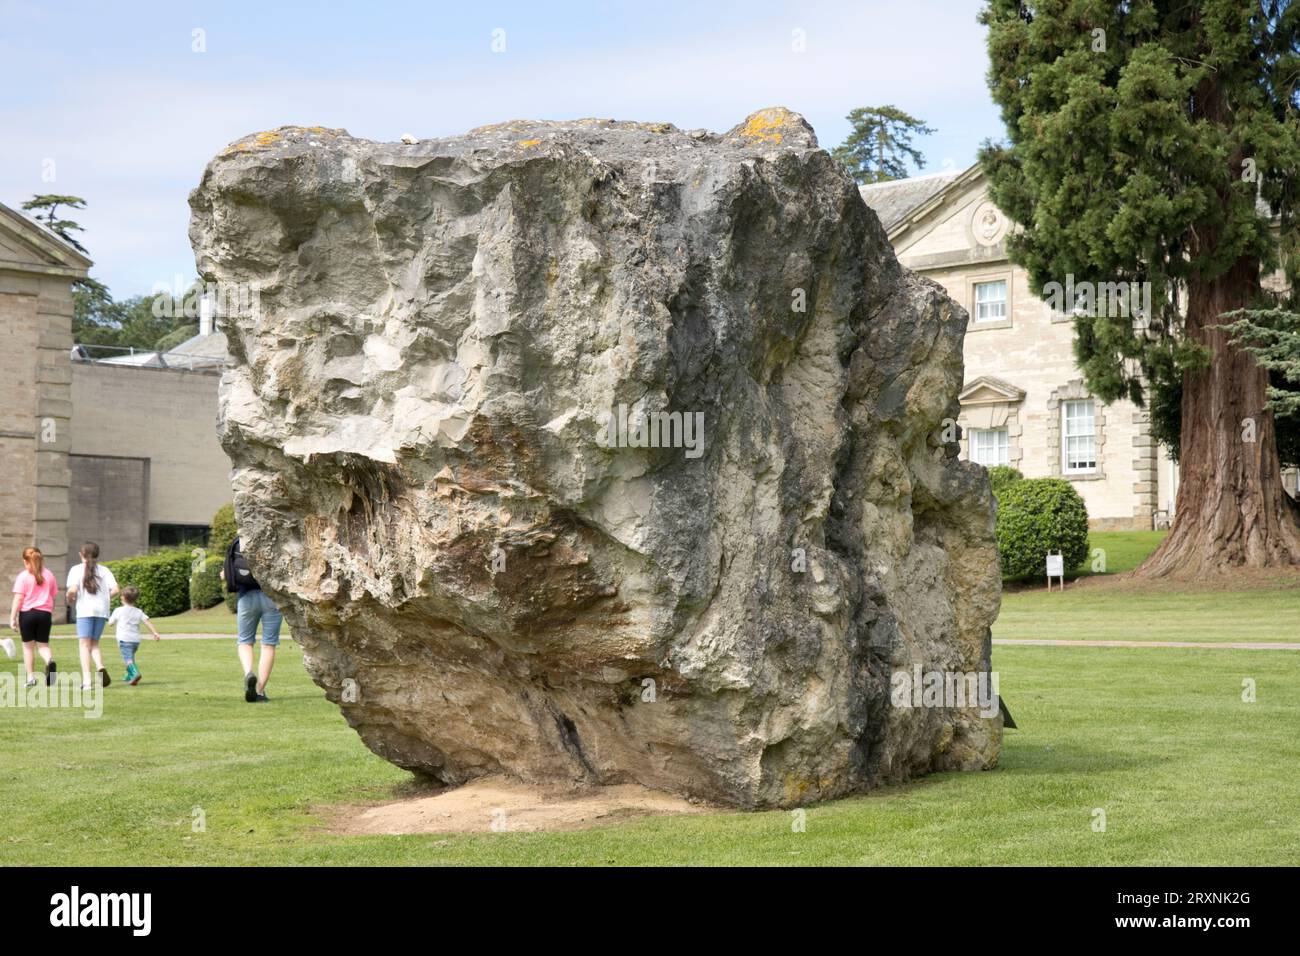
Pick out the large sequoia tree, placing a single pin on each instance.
(1144, 141)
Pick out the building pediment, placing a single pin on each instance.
(987, 390)
(27, 246)
(907, 206)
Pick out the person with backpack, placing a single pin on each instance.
(253, 606)
(93, 587)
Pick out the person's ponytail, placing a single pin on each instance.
(90, 559)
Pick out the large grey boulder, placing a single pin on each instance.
(489, 579)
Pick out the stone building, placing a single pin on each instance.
(36, 272)
(1025, 402)
(120, 450)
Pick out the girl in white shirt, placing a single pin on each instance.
(92, 586)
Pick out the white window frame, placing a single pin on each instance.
(1067, 435)
(1005, 301)
(1001, 446)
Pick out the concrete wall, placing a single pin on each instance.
(166, 417)
(110, 505)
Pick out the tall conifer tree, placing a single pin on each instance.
(1144, 139)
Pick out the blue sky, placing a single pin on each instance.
(129, 114)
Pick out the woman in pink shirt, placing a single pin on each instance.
(33, 612)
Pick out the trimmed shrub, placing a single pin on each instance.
(1002, 475)
(232, 602)
(1038, 515)
(223, 530)
(206, 586)
(163, 578)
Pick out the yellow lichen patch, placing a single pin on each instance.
(525, 143)
(767, 124)
(267, 138)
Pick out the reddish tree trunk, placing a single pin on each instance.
(1232, 510)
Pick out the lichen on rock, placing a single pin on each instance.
(597, 452)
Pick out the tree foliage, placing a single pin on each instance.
(880, 145)
(1148, 142)
(147, 322)
(45, 209)
(1273, 337)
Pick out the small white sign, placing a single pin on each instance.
(1055, 565)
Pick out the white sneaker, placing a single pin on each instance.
(31, 682)
(8, 644)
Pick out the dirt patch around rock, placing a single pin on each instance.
(504, 805)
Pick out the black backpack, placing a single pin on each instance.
(239, 577)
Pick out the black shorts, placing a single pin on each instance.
(35, 626)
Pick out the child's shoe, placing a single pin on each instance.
(105, 680)
(51, 673)
(31, 681)
(133, 675)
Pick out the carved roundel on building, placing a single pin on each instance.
(988, 225)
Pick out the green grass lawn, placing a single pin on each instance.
(1101, 614)
(1109, 552)
(1120, 551)
(1269, 611)
(213, 620)
(1159, 739)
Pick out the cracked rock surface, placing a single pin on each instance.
(489, 578)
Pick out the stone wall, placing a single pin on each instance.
(35, 410)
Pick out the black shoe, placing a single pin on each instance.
(250, 688)
(104, 679)
(51, 673)
(261, 699)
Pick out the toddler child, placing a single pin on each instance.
(127, 618)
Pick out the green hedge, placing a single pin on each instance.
(1000, 476)
(163, 578)
(206, 586)
(223, 530)
(1038, 515)
(232, 602)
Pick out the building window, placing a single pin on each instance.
(990, 301)
(177, 535)
(990, 446)
(1079, 436)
